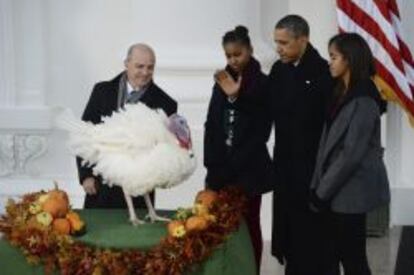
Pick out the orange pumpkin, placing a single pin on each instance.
(61, 226)
(56, 207)
(59, 195)
(196, 223)
(206, 197)
(76, 223)
(200, 209)
(56, 202)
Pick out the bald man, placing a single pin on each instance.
(134, 84)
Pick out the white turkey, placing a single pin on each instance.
(137, 148)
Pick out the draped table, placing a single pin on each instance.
(110, 228)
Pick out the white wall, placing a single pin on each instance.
(53, 52)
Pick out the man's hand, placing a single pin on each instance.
(89, 186)
(228, 85)
(316, 204)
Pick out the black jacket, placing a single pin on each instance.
(299, 96)
(102, 102)
(247, 162)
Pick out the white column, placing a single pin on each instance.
(7, 69)
(400, 145)
(30, 48)
(25, 120)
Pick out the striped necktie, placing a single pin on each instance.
(134, 97)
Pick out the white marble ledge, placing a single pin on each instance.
(16, 119)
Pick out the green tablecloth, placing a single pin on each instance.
(110, 228)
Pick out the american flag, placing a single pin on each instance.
(379, 22)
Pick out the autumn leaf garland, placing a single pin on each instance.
(171, 256)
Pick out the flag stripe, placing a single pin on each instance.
(382, 7)
(378, 51)
(392, 5)
(377, 19)
(389, 78)
(409, 73)
(363, 13)
(379, 22)
(405, 52)
(363, 20)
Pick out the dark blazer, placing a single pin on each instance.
(350, 172)
(298, 102)
(102, 102)
(247, 163)
(298, 97)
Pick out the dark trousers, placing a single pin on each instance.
(307, 250)
(349, 242)
(299, 236)
(112, 197)
(253, 224)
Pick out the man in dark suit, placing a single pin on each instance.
(299, 84)
(133, 85)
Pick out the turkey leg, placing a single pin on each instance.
(131, 210)
(152, 215)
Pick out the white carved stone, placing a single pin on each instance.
(19, 149)
(27, 148)
(7, 160)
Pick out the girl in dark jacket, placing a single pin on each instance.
(237, 129)
(350, 177)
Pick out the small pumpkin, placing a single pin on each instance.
(200, 209)
(207, 198)
(59, 195)
(196, 223)
(61, 226)
(55, 202)
(77, 226)
(56, 207)
(42, 198)
(176, 229)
